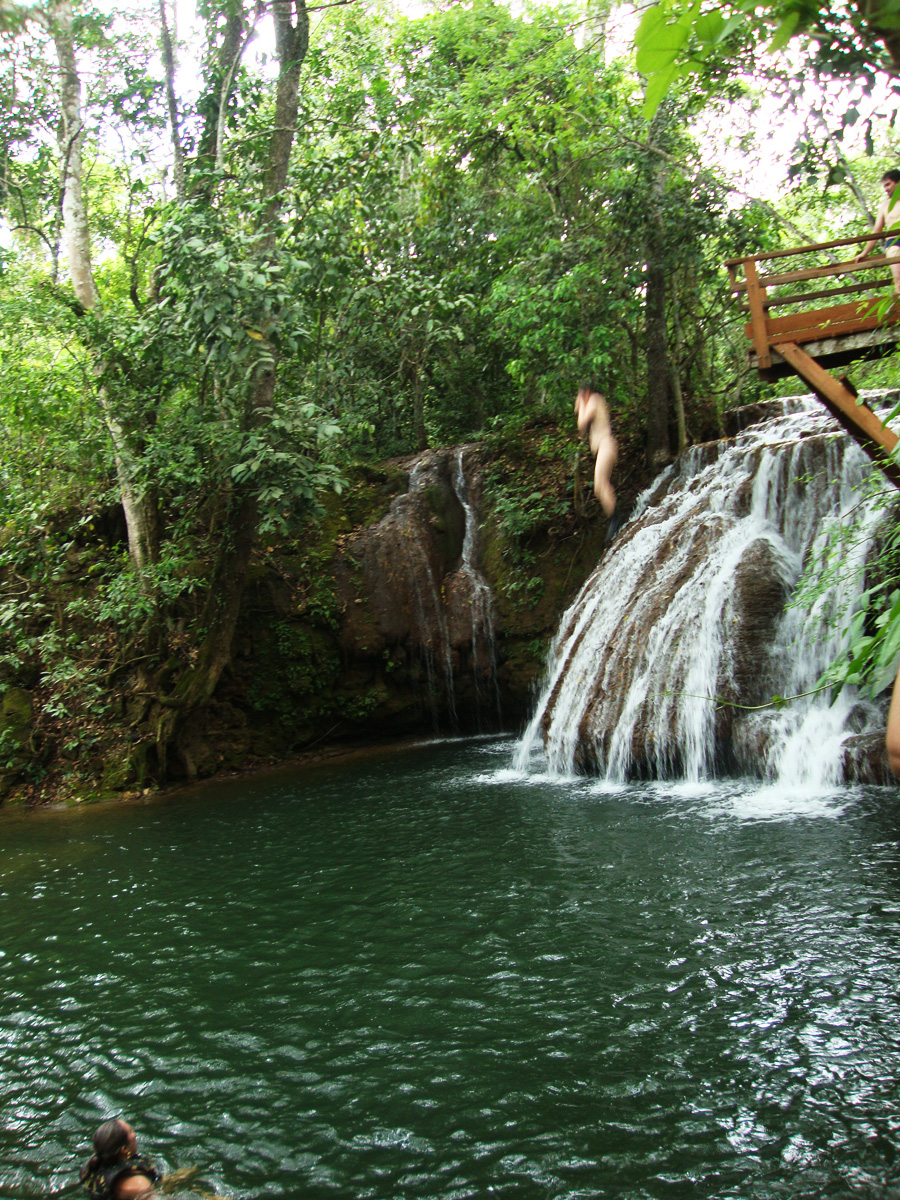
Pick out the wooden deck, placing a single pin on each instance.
(810, 341)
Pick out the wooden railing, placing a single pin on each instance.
(808, 340)
(787, 286)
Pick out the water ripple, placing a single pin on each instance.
(417, 977)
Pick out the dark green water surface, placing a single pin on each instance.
(420, 975)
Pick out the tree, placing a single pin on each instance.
(508, 166)
(197, 355)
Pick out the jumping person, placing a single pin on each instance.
(887, 218)
(592, 416)
(116, 1171)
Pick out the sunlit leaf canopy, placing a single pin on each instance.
(853, 42)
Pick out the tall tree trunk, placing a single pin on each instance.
(238, 538)
(657, 368)
(139, 501)
(211, 105)
(419, 408)
(675, 374)
(168, 55)
(658, 453)
(76, 231)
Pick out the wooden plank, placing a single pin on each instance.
(854, 240)
(838, 321)
(806, 273)
(837, 329)
(822, 318)
(858, 419)
(822, 272)
(815, 333)
(755, 297)
(771, 302)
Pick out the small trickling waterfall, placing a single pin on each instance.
(690, 609)
(417, 612)
(484, 646)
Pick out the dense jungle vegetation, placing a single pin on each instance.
(244, 261)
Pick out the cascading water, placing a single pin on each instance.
(687, 618)
(414, 596)
(430, 613)
(484, 648)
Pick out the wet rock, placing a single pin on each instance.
(686, 625)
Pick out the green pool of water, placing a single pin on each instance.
(420, 975)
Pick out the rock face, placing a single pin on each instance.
(407, 588)
(402, 609)
(393, 619)
(685, 628)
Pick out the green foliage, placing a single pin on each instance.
(871, 628)
(872, 657)
(519, 514)
(126, 600)
(527, 492)
(299, 667)
(680, 39)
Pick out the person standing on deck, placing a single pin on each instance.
(887, 218)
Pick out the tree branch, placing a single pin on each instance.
(225, 90)
(169, 65)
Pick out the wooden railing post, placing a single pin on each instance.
(756, 295)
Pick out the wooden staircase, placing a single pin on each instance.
(809, 341)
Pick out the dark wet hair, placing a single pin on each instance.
(895, 175)
(587, 385)
(109, 1139)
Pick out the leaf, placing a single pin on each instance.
(661, 51)
(885, 677)
(653, 17)
(730, 26)
(657, 87)
(708, 27)
(784, 32)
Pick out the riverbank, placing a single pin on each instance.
(421, 599)
(265, 772)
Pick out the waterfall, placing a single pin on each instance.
(484, 647)
(416, 606)
(687, 617)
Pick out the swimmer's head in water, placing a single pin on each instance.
(111, 1138)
